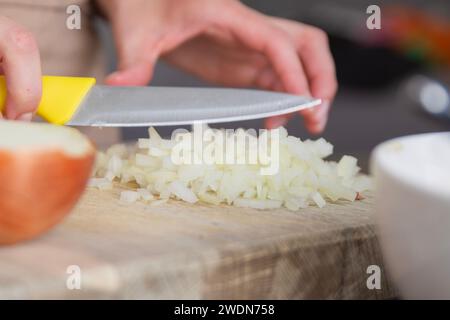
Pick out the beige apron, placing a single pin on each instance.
(63, 51)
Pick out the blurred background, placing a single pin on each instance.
(393, 81)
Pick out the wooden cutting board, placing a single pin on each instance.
(182, 251)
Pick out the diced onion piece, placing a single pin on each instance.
(143, 160)
(144, 143)
(294, 203)
(154, 135)
(362, 183)
(347, 167)
(318, 200)
(182, 192)
(320, 147)
(209, 198)
(129, 196)
(115, 165)
(145, 195)
(157, 152)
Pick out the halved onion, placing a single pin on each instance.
(43, 171)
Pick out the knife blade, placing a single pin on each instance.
(164, 106)
(79, 102)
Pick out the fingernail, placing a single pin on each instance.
(319, 121)
(322, 114)
(25, 117)
(326, 105)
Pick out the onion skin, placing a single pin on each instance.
(38, 188)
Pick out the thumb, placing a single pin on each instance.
(136, 61)
(138, 73)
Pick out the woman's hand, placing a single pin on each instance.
(21, 66)
(225, 42)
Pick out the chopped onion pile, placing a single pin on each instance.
(304, 178)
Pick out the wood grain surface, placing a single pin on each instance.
(182, 251)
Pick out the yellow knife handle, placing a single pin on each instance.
(61, 97)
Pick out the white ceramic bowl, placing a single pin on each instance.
(412, 179)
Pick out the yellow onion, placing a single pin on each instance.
(43, 172)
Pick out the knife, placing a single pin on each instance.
(76, 101)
